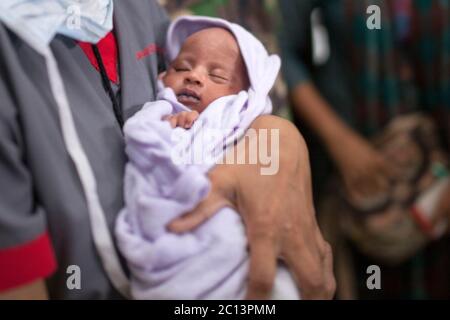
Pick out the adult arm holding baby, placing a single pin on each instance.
(278, 213)
(277, 209)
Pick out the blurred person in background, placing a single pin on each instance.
(369, 78)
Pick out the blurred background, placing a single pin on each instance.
(368, 85)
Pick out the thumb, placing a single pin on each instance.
(202, 212)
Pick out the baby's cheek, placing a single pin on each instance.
(212, 94)
(169, 80)
(166, 80)
(233, 89)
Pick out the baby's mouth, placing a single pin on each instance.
(187, 96)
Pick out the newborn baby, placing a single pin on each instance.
(219, 77)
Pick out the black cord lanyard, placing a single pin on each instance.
(108, 88)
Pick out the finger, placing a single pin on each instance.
(369, 184)
(348, 183)
(204, 210)
(167, 117)
(355, 185)
(300, 264)
(312, 267)
(222, 194)
(383, 167)
(180, 119)
(172, 121)
(330, 281)
(184, 119)
(190, 118)
(189, 122)
(263, 266)
(363, 185)
(376, 177)
(380, 182)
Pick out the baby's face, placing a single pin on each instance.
(209, 66)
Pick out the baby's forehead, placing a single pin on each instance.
(214, 32)
(218, 44)
(214, 37)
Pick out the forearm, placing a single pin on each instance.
(312, 108)
(293, 153)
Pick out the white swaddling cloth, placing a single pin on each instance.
(162, 182)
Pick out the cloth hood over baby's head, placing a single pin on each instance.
(262, 68)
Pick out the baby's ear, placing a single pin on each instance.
(161, 75)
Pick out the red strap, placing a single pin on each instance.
(27, 262)
(108, 51)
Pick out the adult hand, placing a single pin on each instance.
(364, 169)
(278, 214)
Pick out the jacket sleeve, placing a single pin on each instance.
(26, 253)
(161, 23)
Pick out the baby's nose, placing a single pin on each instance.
(194, 78)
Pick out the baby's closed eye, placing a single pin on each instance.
(219, 75)
(181, 69)
(181, 66)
